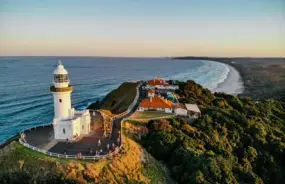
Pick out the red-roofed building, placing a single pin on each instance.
(156, 103)
(159, 83)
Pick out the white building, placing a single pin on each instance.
(193, 110)
(158, 83)
(180, 110)
(67, 123)
(160, 104)
(156, 103)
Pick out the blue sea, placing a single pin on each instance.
(25, 99)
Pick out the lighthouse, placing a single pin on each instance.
(61, 91)
(67, 123)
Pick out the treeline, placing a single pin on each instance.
(235, 140)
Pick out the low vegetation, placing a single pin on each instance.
(235, 141)
(149, 115)
(133, 165)
(118, 100)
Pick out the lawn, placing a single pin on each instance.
(149, 115)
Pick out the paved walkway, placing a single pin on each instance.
(42, 138)
(117, 123)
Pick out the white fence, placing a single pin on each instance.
(96, 157)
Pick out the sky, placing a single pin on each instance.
(142, 28)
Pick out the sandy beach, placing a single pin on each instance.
(233, 84)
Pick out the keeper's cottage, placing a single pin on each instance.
(67, 123)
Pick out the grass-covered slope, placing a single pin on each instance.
(19, 164)
(235, 140)
(118, 100)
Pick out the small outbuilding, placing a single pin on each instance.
(193, 110)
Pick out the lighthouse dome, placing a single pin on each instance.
(60, 76)
(60, 69)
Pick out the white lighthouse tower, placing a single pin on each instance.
(61, 92)
(67, 123)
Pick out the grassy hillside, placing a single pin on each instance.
(235, 140)
(118, 100)
(133, 165)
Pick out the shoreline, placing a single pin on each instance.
(263, 77)
(234, 75)
(233, 84)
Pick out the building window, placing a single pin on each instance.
(63, 130)
(82, 127)
(60, 78)
(60, 100)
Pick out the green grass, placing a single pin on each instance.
(118, 100)
(155, 172)
(16, 159)
(27, 152)
(149, 115)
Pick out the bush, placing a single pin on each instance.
(234, 141)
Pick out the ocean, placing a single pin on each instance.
(25, 99)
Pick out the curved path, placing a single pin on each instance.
(117, 123)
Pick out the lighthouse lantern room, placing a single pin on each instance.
(67, 123)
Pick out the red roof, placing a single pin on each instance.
(157, 81)
(156, 102)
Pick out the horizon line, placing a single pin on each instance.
(168, 57)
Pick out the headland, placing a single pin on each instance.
(226, 134)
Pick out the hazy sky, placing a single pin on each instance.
(142, 27)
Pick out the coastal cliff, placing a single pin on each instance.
(236, 140)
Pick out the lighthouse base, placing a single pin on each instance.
(74, 126)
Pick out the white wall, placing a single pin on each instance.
(142, 109)
(62, 104)
(85, 123)
(180, 111)
(162, 87)
(168, 110)
(62, 131)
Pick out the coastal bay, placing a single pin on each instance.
(262, 78)
(93, 77)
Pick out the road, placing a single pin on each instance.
(117, 122)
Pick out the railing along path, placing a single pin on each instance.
(95, 157)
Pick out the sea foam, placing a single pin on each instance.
(212, 75)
